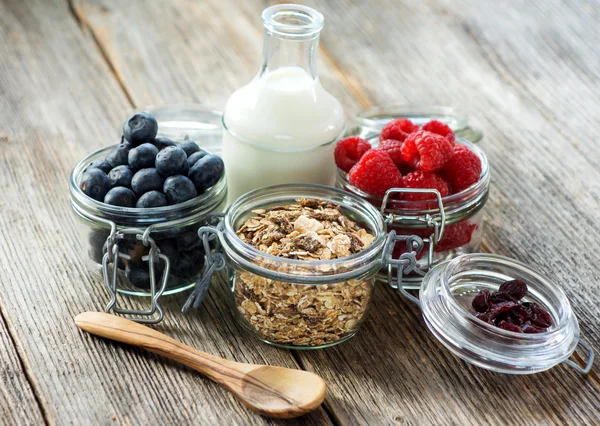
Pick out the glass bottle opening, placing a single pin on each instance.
(293, 21)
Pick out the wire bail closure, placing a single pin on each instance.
(153, 257)
(215, 261)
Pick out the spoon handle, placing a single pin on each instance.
(129, 332)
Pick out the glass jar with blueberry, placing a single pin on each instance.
(426, 181)
(140, 204)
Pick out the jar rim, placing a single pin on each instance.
(362, 259)
(305, 21)
(434, 112)
(450, 202)
(84, 204)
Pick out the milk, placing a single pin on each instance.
(281, 129)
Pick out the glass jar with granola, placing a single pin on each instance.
(301, 262)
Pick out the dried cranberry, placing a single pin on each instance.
(540, 316)
(499, 297)
(500, 308)
(483, 316)
(510, 327)
(530, 329)
(518, 315)
(517, 289)
(481, 302)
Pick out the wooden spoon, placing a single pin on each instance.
(271, 391)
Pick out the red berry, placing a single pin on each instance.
(348, 151)
(419, 179)
(426, 151)
(393, 149)
(463, 169)
(456, 235)
(375, 173)
(439, 128)
(398, 129)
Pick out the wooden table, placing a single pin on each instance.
(70, 72)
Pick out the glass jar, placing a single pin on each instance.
(300, 304)
(462, 215)
(156, 250)
(372, 120)
(445, 299)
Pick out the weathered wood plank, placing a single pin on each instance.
(18, 405)
(423, 52)
(59, 101)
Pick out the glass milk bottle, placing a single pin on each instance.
(282, 126)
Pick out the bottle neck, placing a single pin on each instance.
(280, 52)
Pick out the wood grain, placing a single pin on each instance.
(18, 404)
(59, 100)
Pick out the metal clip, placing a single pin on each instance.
(111, 277)
(590, 359)
(215, 261)
(405, 265)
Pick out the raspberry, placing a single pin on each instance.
(426, 151)
(463, 169)
(456, 235)
(348, 151)
(393, 149)
(398, 129)
(439, 128)
(419, 179)
(375, 173)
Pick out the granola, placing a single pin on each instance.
(297, 314)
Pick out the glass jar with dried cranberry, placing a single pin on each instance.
(450, 298)
(462, 212)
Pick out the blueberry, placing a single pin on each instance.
(172, 161)
(139, 276)
(147, 180)
(142, 156)
(189, 147)
(140, 128)
(178, 189)
(118, 155)
(206, 172)
(120, 196)
(120, 176)
(162, 143)
(193, 159)
(99, 164)
(188, 264)
(152, 199)
(189, 241)
(95, 184)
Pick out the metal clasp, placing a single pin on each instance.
(113, 255)
(215, 261)
(590, 359)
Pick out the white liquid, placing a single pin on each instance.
(281, 122)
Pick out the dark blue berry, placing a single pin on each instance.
(178, 189)
(206, 172)
(172, 161)
(120, 196)
(147, 180)
(152, 199)
(162, 143)
(188, 264)
(193, 159)
(120, 176)
(95, 184)
(139, 276)
(118, 155)
(143, 156)
(189, 241)
(140, 128)
(189, 147)
(99, 164)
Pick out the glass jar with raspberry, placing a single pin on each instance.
(401, 173)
